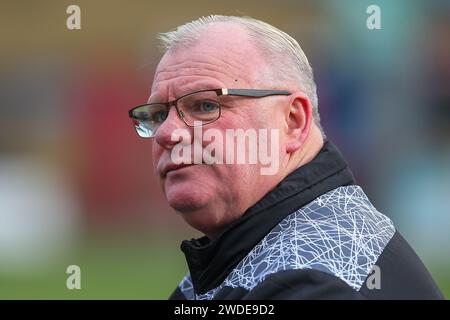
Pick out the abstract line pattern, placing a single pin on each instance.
(340, 233)
(187, 287)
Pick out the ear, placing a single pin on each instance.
(298, 120)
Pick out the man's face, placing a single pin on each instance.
(211, 196)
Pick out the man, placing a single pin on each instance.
(302, 231)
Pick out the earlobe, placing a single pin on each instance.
(298, 122)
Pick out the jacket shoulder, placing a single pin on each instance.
(339, 233)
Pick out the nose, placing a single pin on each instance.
(163, 135)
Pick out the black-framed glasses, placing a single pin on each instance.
(203, 106)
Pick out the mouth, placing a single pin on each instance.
(174, 167)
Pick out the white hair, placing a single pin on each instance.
(287, 58)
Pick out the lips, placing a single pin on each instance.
(172, 167)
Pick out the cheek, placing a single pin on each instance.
(239, 116)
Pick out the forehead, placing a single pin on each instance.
(223, 56)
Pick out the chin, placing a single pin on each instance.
(187, 196)
(188, 189)
(192, 201)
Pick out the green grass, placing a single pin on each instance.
(107, 272)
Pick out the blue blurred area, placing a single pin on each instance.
(73, 173)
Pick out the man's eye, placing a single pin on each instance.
(206, 106)
(159, 116)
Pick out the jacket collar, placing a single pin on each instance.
(210, 261)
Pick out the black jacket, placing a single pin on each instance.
(315, 236)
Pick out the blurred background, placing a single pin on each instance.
(76, 183)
